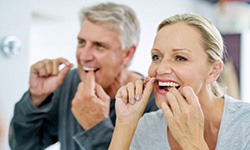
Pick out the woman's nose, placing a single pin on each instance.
(164, 68)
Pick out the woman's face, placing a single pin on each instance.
(178, 59)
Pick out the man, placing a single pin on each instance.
(76, 107)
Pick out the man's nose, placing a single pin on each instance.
(86, 53)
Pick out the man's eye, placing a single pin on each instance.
(181, 58)
(81, 42)
(156, 57)
(100, 46)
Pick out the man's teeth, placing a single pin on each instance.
(168, 84)
(88, 68)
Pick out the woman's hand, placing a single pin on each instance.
(185, 118)
(131, 100)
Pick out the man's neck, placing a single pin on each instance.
(124, 78)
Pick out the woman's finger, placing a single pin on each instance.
(123, 94)
(180, 99)
(190, 96)
(147, 91)
(131, 92)
(138, 90)
(173, 102)
(167, 111)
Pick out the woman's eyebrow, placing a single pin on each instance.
(154, 50)
(181, 49)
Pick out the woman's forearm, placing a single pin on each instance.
(123, 135)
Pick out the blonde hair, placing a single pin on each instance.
(211, 38)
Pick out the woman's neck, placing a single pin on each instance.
(213, 111)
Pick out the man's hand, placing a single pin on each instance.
(45, 78)
(91, 103)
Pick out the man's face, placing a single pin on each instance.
(99, 49)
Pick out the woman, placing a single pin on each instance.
(194, 112)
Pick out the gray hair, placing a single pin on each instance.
(115, 16)
(211, 39)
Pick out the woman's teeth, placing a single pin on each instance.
(166, 85)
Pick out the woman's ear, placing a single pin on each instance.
(215, 71)
(129, 54)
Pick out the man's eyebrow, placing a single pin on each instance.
(79, 38)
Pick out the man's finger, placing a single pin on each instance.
(89, 82)
(56, 64)
(64, 72)
(101, 93)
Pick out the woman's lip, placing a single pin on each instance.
(159, 90)
(164, 80)
(164, 88)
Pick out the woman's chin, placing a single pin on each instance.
(159, 100)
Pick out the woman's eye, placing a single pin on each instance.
(156, 57)
(181, 58)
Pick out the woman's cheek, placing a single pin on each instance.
(152, 70)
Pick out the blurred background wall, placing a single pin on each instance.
(48, 29)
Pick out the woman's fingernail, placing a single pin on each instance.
(132, 101)
(153, 79)
(138, 97)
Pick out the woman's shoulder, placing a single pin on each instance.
(235, 104)
(235, 124)
(236, 110)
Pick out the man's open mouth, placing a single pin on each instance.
(87, 69)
